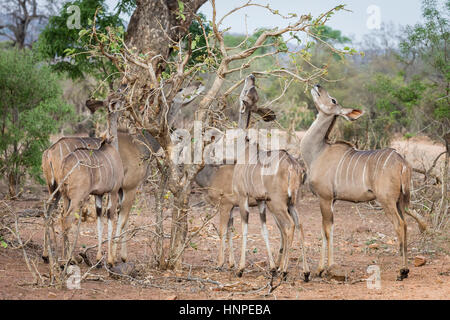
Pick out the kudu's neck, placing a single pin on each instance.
(314, 140)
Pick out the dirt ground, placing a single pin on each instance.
(356, 228)
(362, 237)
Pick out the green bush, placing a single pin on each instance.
(31, 109)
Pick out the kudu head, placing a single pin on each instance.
(328, 105)
(247, 104)
(247, 101)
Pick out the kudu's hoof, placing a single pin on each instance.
(239, 273)
(283, 276)
(403, 274)
(306, 276)
(45, 258)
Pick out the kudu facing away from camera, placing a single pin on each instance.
(85, 172)
(132, 153)
(340, 172)
(225, 188)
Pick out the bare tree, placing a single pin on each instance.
(21, 15)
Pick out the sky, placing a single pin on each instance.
(366, 15)
(360, 21)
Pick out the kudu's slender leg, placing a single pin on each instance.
(111, 214)
(73, 205)
(299, 226)
(53, 205)
(400, 227)
(127, 203)
(243, 207)
(231, 262)
(122, 220)
(265, 234)
(281, 249)
(224, 216)
(98, 210)
(65, 227)
(326, 209)
(287, 228)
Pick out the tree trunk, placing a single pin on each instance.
(12, 185)
(179, 226)
(443, 208)
(159, 209)
(154, 28)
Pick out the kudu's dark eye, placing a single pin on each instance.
(334, 101)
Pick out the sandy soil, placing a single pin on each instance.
(356, 228)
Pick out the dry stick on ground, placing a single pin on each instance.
(144, 283)
(131, 231)
(34, 272)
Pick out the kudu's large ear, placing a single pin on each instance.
(351, 114)
(94, 105)
(266, 114)
(105, 137)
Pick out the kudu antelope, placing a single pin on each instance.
(224, 184)
(340, 172)
(132, 153)
(85, 172)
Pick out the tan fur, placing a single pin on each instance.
(226, 189)
(340, 172)
(132, 153)
(278, 191)
(85, 172)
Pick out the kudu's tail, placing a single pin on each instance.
(405, 198)
(405, 179)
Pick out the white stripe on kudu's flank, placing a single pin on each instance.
(97, 163)
(339, 167)
(356, 163)
(378, 160)
(348, 167)
(364, 171)
(384, 165)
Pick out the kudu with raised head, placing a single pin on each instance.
(245, 185)
(338, 171)
(85, 172)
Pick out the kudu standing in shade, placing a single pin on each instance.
(85, 172)
(225, 186)
(340, 172)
